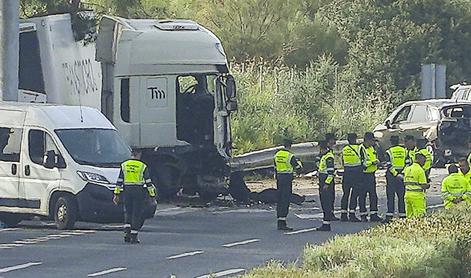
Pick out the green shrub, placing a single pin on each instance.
(436, 246)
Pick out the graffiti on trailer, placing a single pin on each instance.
(80, 76)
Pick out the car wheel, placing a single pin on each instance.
(10, 219)
(65, 212)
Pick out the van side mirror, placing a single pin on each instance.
(50, 160)
(388, 124)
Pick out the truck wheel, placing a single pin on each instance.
(166, 180)
(10, 219)
(65, 212)
(208, 195)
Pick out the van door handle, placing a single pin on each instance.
(27, 170)
(14, 169)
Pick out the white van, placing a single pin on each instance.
(59, 162)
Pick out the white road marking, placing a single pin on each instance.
(241, 242)
(9, 245)
(73, 233)
(435, 206)
(104, 272)
(175, 211)
(86, 231)
(114, 226)
(223, 273)
(242, 211)
(188, 254)
(17, 267)
(8, 229)
(301, 231)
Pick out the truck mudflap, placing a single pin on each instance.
(96, 205)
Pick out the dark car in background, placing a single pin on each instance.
(445, 123)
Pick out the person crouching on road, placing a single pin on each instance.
(326, 184)
(455, 188)
(416, 183)
(395, 162)
(285, 165)
(352, 178)
(135, 184)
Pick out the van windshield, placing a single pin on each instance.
(95, 147)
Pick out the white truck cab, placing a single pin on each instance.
(164, 84)
(59, 162)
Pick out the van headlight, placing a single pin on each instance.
(92, 177)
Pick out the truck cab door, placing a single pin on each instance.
(10, 148)
(36, 180)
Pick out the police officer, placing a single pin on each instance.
(326, 184)
(416, 183)
(421, 144)
(370, 164)
(331, 140)
(352, 175)
(455, 188)
(135, 184)
(411, 149)
(285, 165)
(395, 162)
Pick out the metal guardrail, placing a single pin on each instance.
(263, 159)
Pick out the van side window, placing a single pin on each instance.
(40, 143)
(10, 144)
(125, 109)
(403, 115)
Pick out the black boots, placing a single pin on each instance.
(375, 218)
(324, 228)
(353, 218)
(344, 217)
(334, 218)
(364, 218)
(282, 226)
(127, 235)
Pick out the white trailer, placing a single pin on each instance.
(165, 85)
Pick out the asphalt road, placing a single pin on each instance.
(178, 241)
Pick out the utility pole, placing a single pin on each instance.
(9, 49)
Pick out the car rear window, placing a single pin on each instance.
(457, 111)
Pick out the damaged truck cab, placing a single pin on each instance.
(165, 85)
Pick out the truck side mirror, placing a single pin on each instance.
(50, 160)
(231, 91)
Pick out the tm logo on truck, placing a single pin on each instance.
(156, 93)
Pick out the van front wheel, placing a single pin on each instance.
(65, 212)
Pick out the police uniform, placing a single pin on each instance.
(285, 165)
(396, 161)
(428, 160)
(369, 180)
(455, 186)
(352, 178)
(135, 184)
(327, 187)
(415, 199)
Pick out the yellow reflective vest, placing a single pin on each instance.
(410, 156)
(351, 156)
(428, 158)
(370, 158)
(415, 179)
(283, 162)
(326, 167)
(397, 159)
(455, 186)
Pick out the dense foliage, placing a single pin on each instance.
(327, 65)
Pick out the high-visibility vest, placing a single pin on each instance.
(351, 156)
(370, 157)
(415, 178)
(455, 186)
(283, 162)
(323, 168)
(428, 159)
(133, 171)
(467, 176)
(397, 159)
(410, 156)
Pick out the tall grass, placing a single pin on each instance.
(276, 102)
(436, 246)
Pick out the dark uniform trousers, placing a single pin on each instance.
(368, 188)
(327, 197)
(284, 185)
(395, 187)
(350, 185)
(134, 203)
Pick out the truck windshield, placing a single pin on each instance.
(95, 147)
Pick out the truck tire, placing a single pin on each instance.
(65, 212)
(10, 219)
(166, 180)
(207, 195)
